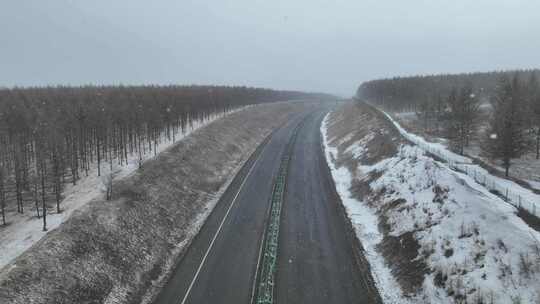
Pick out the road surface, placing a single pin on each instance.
(316, 261)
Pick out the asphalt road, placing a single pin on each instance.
(317, 258)
(316, 264)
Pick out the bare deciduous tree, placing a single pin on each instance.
(462, 114)
(508, 128)
(425, 111)
(533, 101)
(2, 196)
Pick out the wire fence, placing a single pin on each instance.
(466, 166)
(496, 187)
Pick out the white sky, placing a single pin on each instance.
(314, 45)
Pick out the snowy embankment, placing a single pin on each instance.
(509, 190)
(431, 234)
(365, 222)
(122, 250)
(24, 230)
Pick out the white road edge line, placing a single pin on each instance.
(219, 228)
(254, 286)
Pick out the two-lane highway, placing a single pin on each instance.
(317, 261)
(220, 264)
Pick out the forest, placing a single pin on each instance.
(499, 109)
(406, 93)
(52, 136)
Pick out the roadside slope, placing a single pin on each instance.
(431, 234)
(116, 251)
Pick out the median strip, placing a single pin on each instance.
(265, 286)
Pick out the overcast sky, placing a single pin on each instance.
(329, 46)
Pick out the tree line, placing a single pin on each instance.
(408, 93)
(450, 105)
(54, 135)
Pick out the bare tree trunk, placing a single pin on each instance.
(3, 202)
(125, 144)
(2, 197)
(74, 161)
(43, 203)
(111, 143)
(538, 143)
(36, 200)
(155, 143)
(98, 155)
(140, 150)
(507, 167)
(56, 179)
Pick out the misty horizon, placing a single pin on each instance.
(305, 46)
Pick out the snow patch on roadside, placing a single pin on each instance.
(515, 194)
(365, 223)
(472, 241)
(434, 148)
(475, 247)
(358, 148)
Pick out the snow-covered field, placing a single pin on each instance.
(474, 247)
(24, 230)
(526, 168)
(513, 192)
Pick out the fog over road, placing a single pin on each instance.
(317, 261)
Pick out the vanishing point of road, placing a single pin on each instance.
(319, 259)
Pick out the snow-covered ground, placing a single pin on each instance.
(24, 230)
(365, 223)
(475, 247)
(526, 168)
(437, 149)
(514, 193)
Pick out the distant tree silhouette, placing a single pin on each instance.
(408, 93)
